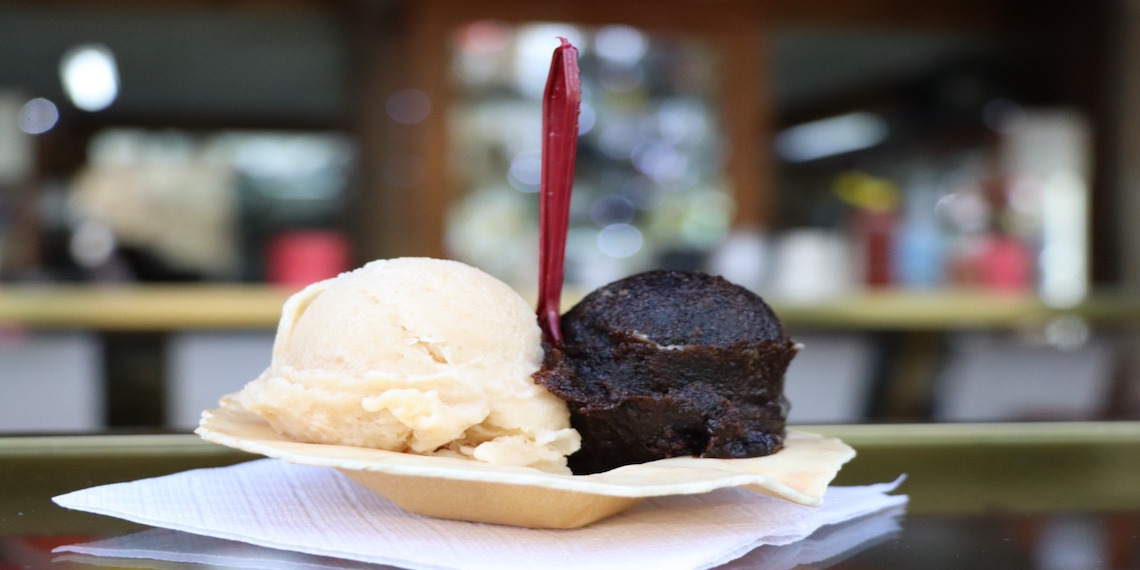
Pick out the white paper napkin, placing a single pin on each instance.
(825, 546)
(318, 511)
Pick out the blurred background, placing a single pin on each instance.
(937, 197)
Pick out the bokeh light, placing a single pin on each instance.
(620, 240)
(38, 116)
(90, 76)
(92, 244)
(526, 171)
(621, 44)
(408, 106)
(612, 209)
(485, 37)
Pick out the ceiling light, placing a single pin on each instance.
(831, 136)
(90, 76)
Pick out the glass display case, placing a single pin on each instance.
(650, 183)
(967, 231)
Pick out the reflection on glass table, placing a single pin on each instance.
(998, 540)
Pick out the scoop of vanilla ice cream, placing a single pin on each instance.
(415, 355)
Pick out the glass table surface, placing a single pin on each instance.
(1042, 496)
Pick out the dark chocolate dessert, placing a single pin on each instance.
(671, 363)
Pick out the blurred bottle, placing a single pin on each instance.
(1006, 264)
(1052, 150)
(990, 253)
(919, 253)
(812, 265)
(875, 223)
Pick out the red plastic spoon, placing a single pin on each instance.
(560, 106)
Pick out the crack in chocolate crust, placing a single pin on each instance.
(670, 363)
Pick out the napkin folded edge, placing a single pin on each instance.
(890, 502)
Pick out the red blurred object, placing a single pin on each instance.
(876, 231)
(298, 258)
(996, 262)
(1007, 264)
